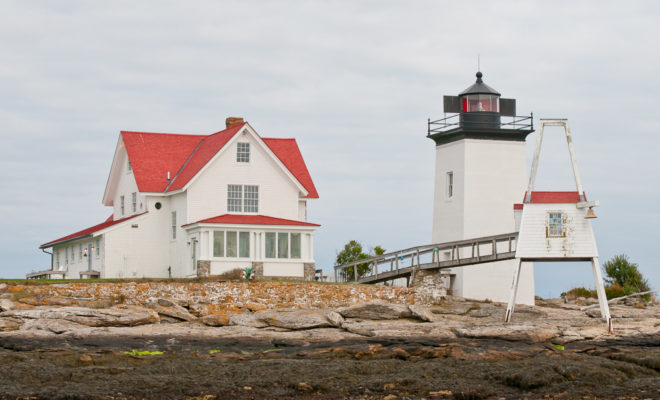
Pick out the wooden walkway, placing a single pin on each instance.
(404, 263)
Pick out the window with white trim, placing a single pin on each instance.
(56, 257)
(98, 248)
(555, 224)
(129, 167)
(251, 198)
(243, 152)
(283, 245)
(80, 252)
(121, 204)
(450, 184)
(173, 224)
(243, 198)
(66, 256)
(134, 201)
(231, 244)
(234, 198)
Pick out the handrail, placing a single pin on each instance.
(393, 258)
(517, 122)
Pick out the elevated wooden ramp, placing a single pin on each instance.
(404, 263)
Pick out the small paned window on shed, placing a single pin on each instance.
(243, 152)
(555, 224)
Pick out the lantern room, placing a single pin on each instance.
(480, 98)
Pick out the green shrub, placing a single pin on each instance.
(620, 271)
(579, 292)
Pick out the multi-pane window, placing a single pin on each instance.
(173, 224)
(243, 152)
(243, 198)
(271, 248)
(218, 244)
(231, 244)
(134, 201)
(98, 248)
(555, 224)
(251, 198)
(121, 204)
(234, 198)
(283, 245)
(450, 184)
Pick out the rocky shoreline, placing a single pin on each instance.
(333, 329)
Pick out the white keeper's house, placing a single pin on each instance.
(197, 205)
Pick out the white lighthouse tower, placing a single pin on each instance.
(480, 172)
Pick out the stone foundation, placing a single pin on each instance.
(310, 271)
(258, 270)
(431, 286)
(203, 268)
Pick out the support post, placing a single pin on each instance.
(514, 291)
(602, 298)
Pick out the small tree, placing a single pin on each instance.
(623, 273)
(353, 252)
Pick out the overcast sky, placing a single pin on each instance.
(353, 82)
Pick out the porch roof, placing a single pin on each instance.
(243, 219)
(88, 231)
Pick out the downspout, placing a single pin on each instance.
(51, 258)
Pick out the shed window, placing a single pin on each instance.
(556, 225)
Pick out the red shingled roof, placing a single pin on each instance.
(107, 223)
(288, 152)
(555, 197)
(152, 155)
(251, 220)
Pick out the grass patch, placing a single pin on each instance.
(144, 353)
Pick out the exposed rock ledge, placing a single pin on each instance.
(25, 315)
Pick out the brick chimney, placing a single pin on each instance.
(231, 121)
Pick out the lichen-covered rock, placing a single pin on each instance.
(421, 312)
(376, 311)
(247, 319)
(529, 333)
(115, 316)
(9, 324)
(6, 305)
(3, 286)
(335, 319)
(56, 326)
(296, 320)
(171, 309)
(453, 308)
(216, 320)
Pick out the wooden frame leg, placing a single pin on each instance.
(602, 298)
(514, 291)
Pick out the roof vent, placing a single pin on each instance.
(231, 121)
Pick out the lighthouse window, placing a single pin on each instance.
(555, 225)
(481, 102)
(450, 184)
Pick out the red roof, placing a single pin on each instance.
(153, 155)
(107, 223)
(251, 220)
(555, 197)
(288, 152)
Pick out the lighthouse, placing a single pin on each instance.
(480, 173)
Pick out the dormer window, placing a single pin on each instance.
(243, 153)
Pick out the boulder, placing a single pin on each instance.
(247, 319)
(123, 315)
(56, 326)
(453, 308)
(216, 320)
(296, 320)
(421, 312)
(3, 286)
(527, 333)
(6, 305)
(9, 324)
(171, 309)
(376, 311)
(335, 319)
(480, 313)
